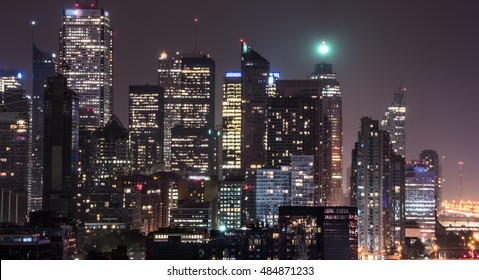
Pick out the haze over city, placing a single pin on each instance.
(432, 46)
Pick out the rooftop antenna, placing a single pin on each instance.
(460, 164)
(196, 34)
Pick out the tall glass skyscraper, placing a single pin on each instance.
(169, 78)
(44, 66)
(60, 153)
(254, 94)
(375, 187)
(231, 123)
(331, 178)
(394, 122)
(86, 55)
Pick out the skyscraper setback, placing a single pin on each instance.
(86, 54)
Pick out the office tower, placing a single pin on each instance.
(302, 181)
(109, 154)
(421, 197)
(273, 189)
(44, 65)
(230, 193)
(14, 154)
(431, 159)
(15, 143)
(231, 123)
(10, 79)
(191, 138)
(146, 127)
(331, 180)
(86, 53)
(169, 78)
(395, 199)
(373, 191)
(60, 148)
(326, 233)
(254, 95)
(294, 127)
(394, 122)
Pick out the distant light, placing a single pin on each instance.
(233, 74)
(196, 20)
(54, 55)
(270, 80)
(106, 13)
(92, 5)
(76, 5)
(323, 48)
(222, 228)
(19, 75)
(245, 48)
(33, 23)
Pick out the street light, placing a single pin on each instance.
(435, 251)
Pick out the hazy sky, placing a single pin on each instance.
(432, 45)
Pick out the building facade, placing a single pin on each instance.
(394, 122)
(421, 198)
(86, 55)
(60, 148)
(146, 126)
(254, 96)
(373, 191)
(44, 66)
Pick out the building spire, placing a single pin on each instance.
(196, 35)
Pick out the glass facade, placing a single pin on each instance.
(394, 122)
(86, 58)
(421, 198)
(231, 123)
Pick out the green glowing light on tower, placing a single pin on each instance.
(323, 48)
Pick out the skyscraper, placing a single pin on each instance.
(60, 148)
(15, 137)
(421, 198)
(231, 123)
(44, 65)
(109, 154)
(169, 78)
(394, 122)
(191, 138)
(86, 52)
(431, 159)
(331, 180)
(146, 126)
(254, 95)
(373, 182)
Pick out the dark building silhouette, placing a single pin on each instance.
(146, 126)
(377, 190)
(43, 68)
(60, 150)
(109, 154)
(326, 233)
(431, 159)
(254, 95)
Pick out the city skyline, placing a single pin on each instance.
(425, 51)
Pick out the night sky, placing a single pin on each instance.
(432, 45)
